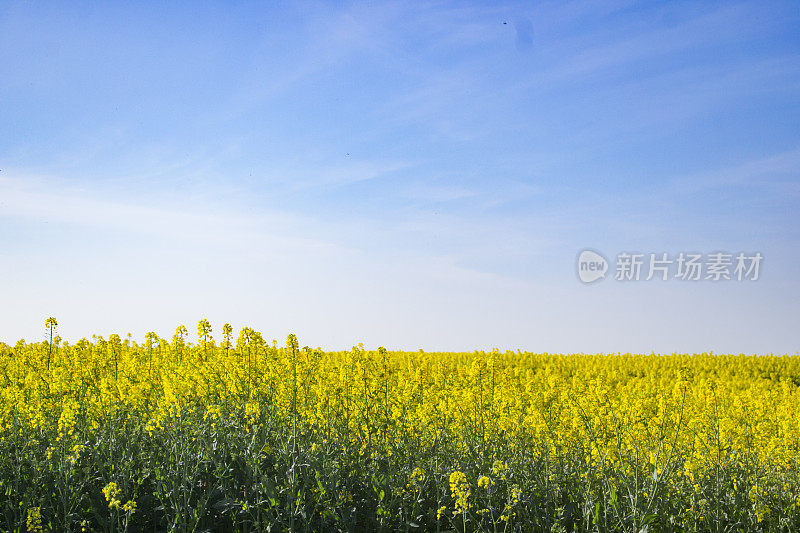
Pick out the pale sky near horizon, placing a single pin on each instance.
(413, 175)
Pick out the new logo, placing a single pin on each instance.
(591, 266)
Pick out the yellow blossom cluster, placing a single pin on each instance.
(585, 417)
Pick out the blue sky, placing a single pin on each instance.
(415, 175)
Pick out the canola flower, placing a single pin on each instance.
(111, 492)
(499, 469)
(34, 522)
(459, 487)
(244, 434)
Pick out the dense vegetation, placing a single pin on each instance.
(243, 435)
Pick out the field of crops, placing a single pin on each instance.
(244, 434)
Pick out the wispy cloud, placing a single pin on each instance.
(438, 193)
(776, 168)
(46, 201)
(578, 60)
(337, 174)
(329, 37)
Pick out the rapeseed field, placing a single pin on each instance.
(221, 433)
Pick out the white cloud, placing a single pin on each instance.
(776, 167)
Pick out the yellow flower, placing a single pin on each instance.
(440, 511)
(129, 507)
(499, 469)
(417, 476)
(34, 522)
(77, 450)
(111, 492)
(485, 482)
(459, 487)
